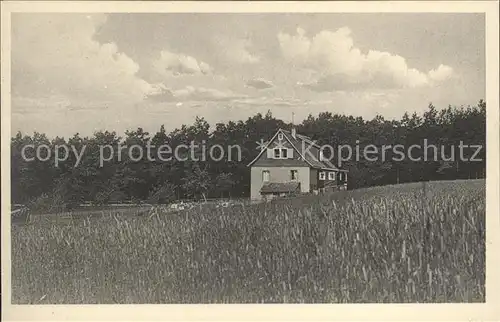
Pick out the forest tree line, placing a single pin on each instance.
(164, 181)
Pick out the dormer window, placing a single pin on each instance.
(280, 153)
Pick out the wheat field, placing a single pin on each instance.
(406, 243)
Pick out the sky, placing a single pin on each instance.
(89, 72)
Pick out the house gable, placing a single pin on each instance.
(304, 153)
(267, 157)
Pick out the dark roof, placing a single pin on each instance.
(314, 150)
(310, 158)
(277, 187)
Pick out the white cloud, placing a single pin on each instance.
(191, 94)
(161, 93)
(344, 66)
(441, 73)
(237, 51)
(259, 83)
(51, 102)
(178, 64)
(63, 77)
(56, 55)
(295, 48)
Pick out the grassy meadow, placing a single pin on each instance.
(406, 243)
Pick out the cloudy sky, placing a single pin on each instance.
(86, 72)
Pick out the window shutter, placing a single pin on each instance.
(290, 153)
(270, 154)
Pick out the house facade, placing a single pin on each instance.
(290, 163)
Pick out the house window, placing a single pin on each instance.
(293, 175)
(322, 175)
(279, 153)
(331, 176)
(341, 176)
(265, 176)
(280, 136)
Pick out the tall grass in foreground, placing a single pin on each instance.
(385, 244)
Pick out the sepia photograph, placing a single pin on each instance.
(246, 157)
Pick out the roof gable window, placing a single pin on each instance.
(280, 153)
